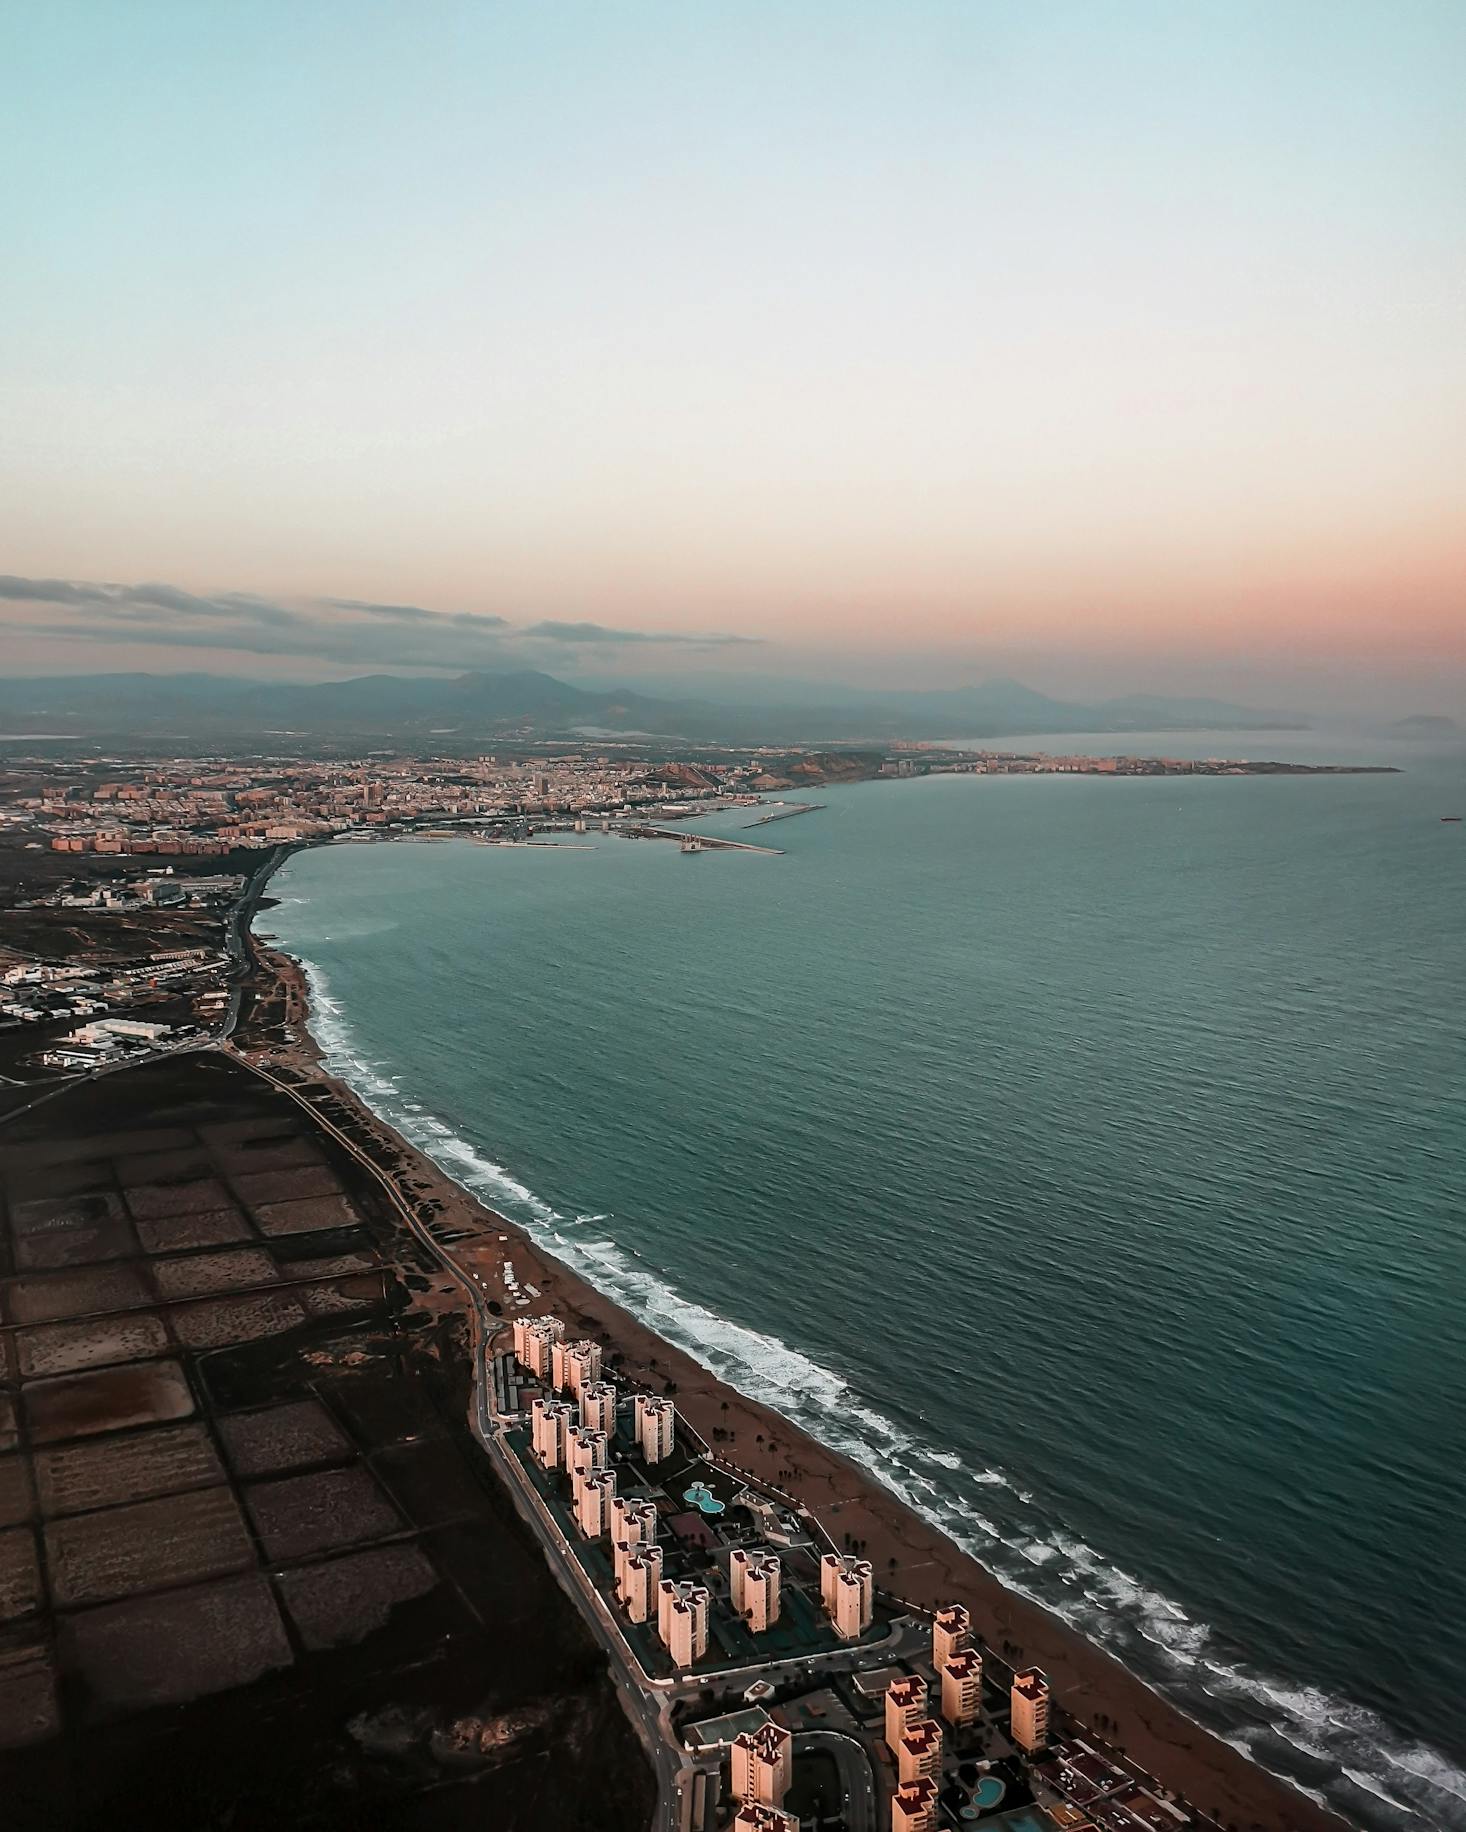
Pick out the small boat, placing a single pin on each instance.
(1451, 817)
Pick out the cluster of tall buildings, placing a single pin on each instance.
(574, 1433)
(914, 1735)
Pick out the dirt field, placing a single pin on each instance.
(63, 1348)
(78, 1478)
(106, 1399)
(148, 1545)
(283, 1437)
(334, 1507)
(234, 1527)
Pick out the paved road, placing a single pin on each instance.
(857, 1775)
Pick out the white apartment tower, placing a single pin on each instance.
(847, 1587)
(550, 1423)
(682, 1620)
(656, 1421)
(585, 1449)
(598, 1406)
(633, 1520)
(1030, 1701)
(753, 1585)
(534, 1343)
(919, 1752)
(639, 1581)
(574, 1365)
(951, 1629)
(594, 1492)
(905, 1706)
(914, 1806)
(962, 1687)
(763, 1761)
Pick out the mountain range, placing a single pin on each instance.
(524, 704)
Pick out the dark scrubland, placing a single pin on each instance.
(254, 1569)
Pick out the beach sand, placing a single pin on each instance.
(911, 1558)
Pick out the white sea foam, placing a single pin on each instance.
(1063, 1572)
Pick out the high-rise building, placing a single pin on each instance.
(914, 1806)
(682, 1620)
(962, 1687)
(598, 1406)
(574, 1365)
(847, 1587)
(585, 1449)
(550, 1422)
(763, 1760)
(951, 1628)
(594, 1491)
(640, 1580)
(753, 1586)
(919, 1752)
(534, 1343)
(905, 1706)
(1029, 1698)
(633, 1519)
(755, 1818)
(656, 1421)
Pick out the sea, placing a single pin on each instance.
(1083, 1156)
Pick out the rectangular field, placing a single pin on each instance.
(76, 1478)
(111, 1399)
(64, 1348)
(146, 1545)
(304, 1514)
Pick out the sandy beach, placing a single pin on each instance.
(912, 1559)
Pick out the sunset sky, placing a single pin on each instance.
(1116, 344)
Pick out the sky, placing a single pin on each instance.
(1116, 345)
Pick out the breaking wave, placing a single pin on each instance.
(1331, 1750)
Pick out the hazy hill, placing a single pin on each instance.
(378, 709)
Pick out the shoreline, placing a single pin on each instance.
(913, 1559)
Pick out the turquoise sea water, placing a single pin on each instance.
(1086, 1157)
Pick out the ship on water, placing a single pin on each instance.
(691, 843)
